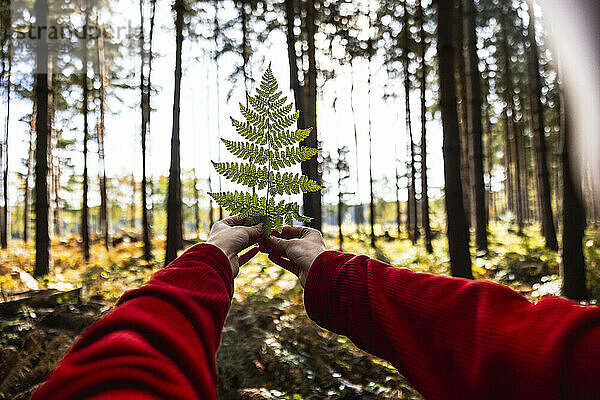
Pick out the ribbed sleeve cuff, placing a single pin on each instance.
(319, 293)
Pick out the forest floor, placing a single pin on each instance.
(270, 349)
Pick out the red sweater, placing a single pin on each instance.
(452, 338)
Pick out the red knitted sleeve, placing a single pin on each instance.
(159, 342)
(455, 338)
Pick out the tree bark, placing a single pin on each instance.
(218, 101)
(463, 121)
(425, 222)
(358, 210)
(572, 266)
(514, 147)
(85, 234)
(457, 228)
(413, 223)
(475, 128)
(145, 88)
(42, 240)
(310, 168)
(490, 203)
(101, 156)
(539, 140)
(5, 214)
(371, 191)
(174, 208)
(30, 158)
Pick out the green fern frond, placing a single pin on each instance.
(271, 145)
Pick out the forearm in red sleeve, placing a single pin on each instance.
(159, 342)
(455, 338)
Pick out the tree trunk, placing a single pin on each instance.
(358, 215)
(425, 223)
(218, 101)
(42, 240)
(208, 145)
(539, 140)
(340, 205)
(413, 228)
(196, 205)
(371, 192)
(53, 147)
(475, 128)
(310, 168)
(463, 124)
(85, 234)
(174, 210)
(508, 185)
(5, 214)
(100, 132)
(514, 146)
(30, 157)
(490, 203)
(572, 266)
(397, 184)
(457, 228)
(145, 88)
(132, 207)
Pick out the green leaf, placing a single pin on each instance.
(270, 145)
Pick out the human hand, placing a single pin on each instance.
(231, 237)
(294, 249)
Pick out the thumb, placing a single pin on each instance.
(278, 244)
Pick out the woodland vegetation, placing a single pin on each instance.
(512, 208)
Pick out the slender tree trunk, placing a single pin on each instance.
(340, 205)
(463, 124)
(5, 214)
(196, 205)
(572, 267)
(217, 54)
(310, 168)
(101, 156)
(30, 158)
(371, 192)
(490, 203)
(508, 185)
(53, 148)
(132, 207)
(397, 183)
(539, 140)
(475, 127)
(42, 240)
(85, 234)
(358, 210)
(149, 180)
(413, 229)
(145, 109)
(511, 124)
(56, 210)
(208, 145)
(425, 223)
(174, 210)
(52, 141)
(290, 16)
(458, 234)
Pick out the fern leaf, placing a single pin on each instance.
(290, 155)
(271, 145)
(247, 151)
(249, 132)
